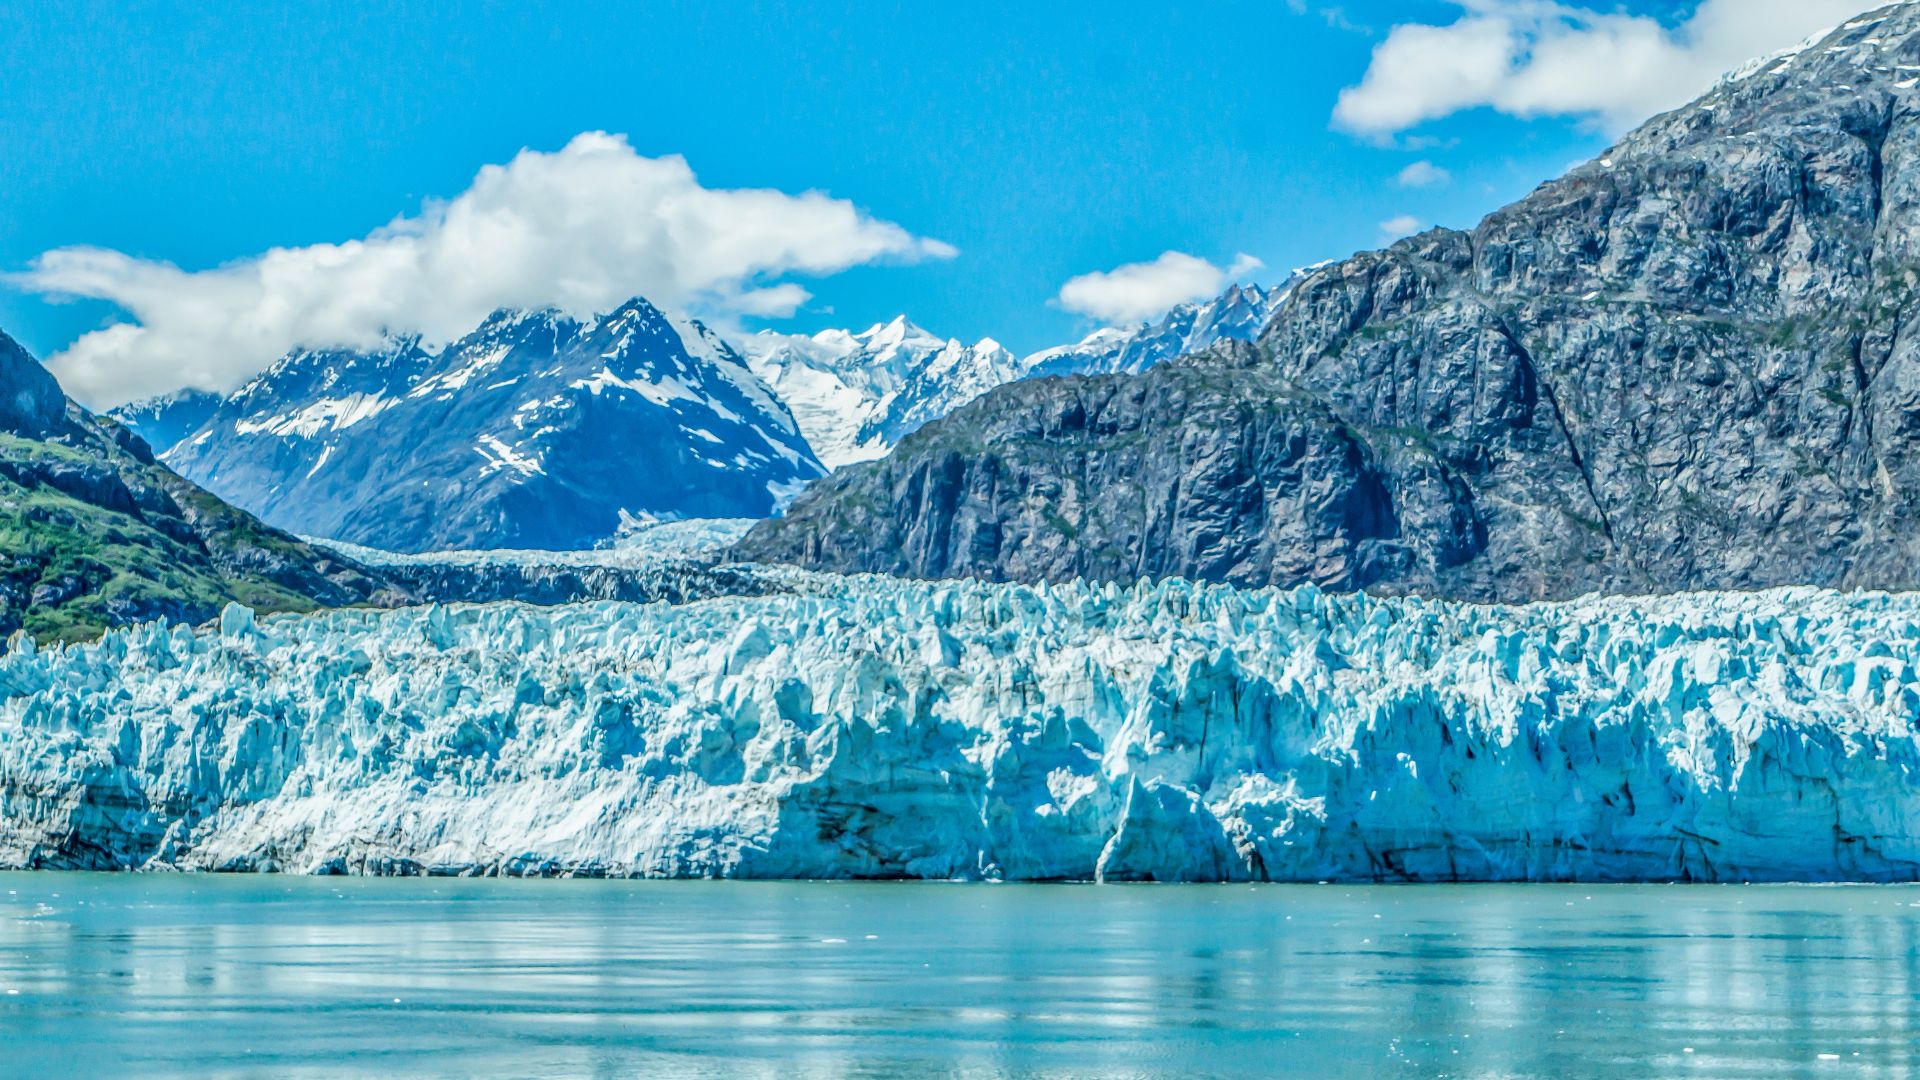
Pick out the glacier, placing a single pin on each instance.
(878, 728)
(644, 545)
(670, 561)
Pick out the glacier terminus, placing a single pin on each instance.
(862, 727)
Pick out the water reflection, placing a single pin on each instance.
(293, 977)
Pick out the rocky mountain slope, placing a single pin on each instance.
(1693, 362)
(94, 532)
(534, 431)
(865, 728)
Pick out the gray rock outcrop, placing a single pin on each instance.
(1691, 363)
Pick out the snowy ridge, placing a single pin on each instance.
(536, 430)
(1239, 314)
(867, 727)
(1783, 59)
(856, 395)
(165, 420)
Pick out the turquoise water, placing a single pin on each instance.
(269, 976)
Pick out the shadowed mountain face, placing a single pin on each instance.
(1691, 363)
(31, 402)
(94, 532)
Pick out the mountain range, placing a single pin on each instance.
(857, 395)
(536, 430)
(541, 431)
(1693, 362)
(1686, 364)
(1239, 314)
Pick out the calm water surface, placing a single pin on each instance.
(258, 976)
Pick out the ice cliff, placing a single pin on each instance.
(859, 727)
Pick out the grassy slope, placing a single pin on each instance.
(93, 535)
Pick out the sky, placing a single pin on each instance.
(190, 188)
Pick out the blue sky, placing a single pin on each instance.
(1041, 142)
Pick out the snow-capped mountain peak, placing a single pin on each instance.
(537, 429)
(1239, 314)
(900, 341)
(635, 413)
(856, 394)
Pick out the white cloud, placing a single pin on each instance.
(1394, 228)
(1530, 58)
(1422, 174)
(583, 229)
(1137, 292)
(1334, 16)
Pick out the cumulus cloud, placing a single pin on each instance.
(1422, 174)
(1530, 58)
(1140, 291)
(583, 229)
(1394, 228)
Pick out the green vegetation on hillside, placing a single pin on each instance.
(95, 534)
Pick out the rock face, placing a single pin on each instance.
(534, 431)
(1210, 471)
(875, 728)
(31, 402)
(95, 533)
(1691, 363)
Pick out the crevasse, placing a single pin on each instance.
(864, 727)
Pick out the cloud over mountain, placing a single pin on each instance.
(1423, 174)
(582, 228)
(1530, 58)
(1141, 291)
